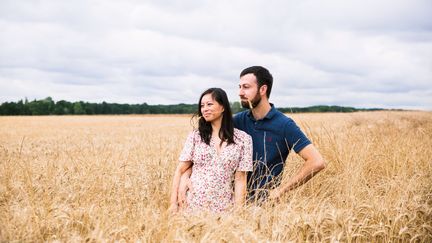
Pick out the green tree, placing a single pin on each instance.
(42, 107)
(78, 108)
(63, 107)
(236, 107)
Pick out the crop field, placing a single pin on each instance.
(108, 178)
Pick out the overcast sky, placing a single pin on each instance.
(361, 53)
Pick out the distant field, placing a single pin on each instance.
(107, 178)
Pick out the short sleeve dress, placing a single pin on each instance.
(212, 175)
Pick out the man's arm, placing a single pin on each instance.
(313, 164)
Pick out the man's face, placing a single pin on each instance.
(248, 91)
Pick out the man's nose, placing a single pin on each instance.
(240, 92)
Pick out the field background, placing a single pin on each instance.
(108, 178)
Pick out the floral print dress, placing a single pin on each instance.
(212, 175)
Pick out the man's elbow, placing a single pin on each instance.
(319, 165)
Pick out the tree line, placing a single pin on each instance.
(48, 106)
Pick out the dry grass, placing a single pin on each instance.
(107, 178)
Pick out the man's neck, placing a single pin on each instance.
(261, 110)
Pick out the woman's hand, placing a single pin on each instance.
(181, 168)
(240, 188)
(174, 208)
(184, 186)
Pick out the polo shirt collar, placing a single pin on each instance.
(269, 114)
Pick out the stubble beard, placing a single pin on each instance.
(252, 103)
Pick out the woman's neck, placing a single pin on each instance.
(216, 126)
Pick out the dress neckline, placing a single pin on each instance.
(218, 150)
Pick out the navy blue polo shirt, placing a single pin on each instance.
(273, 138)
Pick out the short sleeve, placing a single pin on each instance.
(245, 163)
(188, 149)
(296, 138)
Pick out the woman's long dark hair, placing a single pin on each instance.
(226, 132)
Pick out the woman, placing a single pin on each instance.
(219, 155)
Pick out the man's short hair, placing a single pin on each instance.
(262, 75)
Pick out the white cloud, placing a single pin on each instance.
(359, 53)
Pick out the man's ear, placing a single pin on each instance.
(263, 90)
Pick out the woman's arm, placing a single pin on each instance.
(240, 178)
(184, 186)
(181, 168)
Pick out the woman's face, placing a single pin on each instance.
(211, 110)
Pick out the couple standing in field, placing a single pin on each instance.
(230, 159)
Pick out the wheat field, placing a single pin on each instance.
(108, 178)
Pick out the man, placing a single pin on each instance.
(273, 135)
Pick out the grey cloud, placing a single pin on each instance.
(169, 51)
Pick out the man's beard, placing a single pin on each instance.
(253, 103)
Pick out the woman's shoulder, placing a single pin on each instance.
(194, 133)
(241, 135)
